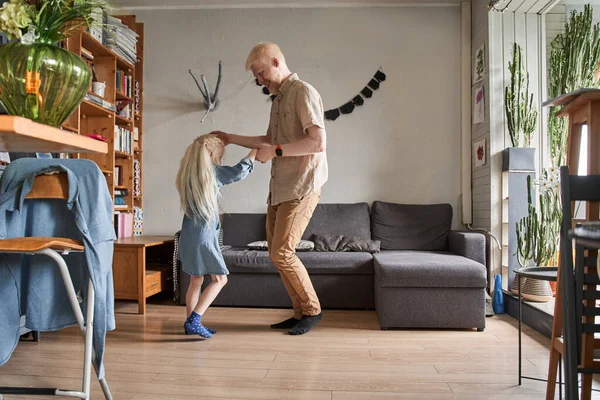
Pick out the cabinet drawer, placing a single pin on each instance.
(157, 277)
(154, 282)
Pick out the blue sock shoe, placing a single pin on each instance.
(193, 326)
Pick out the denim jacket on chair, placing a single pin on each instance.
(31, 284)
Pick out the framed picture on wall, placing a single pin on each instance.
(479, 153)
(479, 106)
(479, 65)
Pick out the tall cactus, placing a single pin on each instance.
(521, 113)
(574, 59)
(538, 232)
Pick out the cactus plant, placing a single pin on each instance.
(538, 232)
(574, 59)
(521, 113)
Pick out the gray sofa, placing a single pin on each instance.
(425, 276)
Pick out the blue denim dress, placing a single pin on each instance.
(199, 249)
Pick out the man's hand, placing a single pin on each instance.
(265, 153)
(225, 137)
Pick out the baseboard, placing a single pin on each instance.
(533, 317)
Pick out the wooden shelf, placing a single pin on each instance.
(123, 209)
(107, 172)
(122, 187)
(70, 128)
(120, 154)
(121, 96)
(99, 50)
(89, 109)
(122, 121)
(137, 197)
(138, 151)
(18, 134)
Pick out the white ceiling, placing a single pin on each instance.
(215, 4)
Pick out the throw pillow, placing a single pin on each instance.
(261, 245)
(345, 243)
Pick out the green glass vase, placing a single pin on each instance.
(42, 82)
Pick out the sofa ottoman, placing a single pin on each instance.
(427, 276)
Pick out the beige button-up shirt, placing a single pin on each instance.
(297, 107)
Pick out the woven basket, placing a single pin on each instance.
(534, 290)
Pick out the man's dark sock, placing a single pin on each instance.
(287, 324)
(305, 324)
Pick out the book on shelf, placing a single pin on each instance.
(138, 221)
(85, 53)
(136, 97)
(124, 83)
(122, 40)
(123, 140)
(124, 108)
(100, 102)
(123, 224)
(117, 175)
(95, 29)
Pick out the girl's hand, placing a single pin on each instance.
(252, 154)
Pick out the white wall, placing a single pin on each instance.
(403, 145)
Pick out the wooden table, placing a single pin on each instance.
(142, 267)
(18, 134)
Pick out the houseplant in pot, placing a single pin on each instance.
(538, 234)
(38, 79)
(521, 114)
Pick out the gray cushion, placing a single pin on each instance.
(340, 219)
(256, 262)
(262, 245)
(427, 269)
(411, 226)
(241, 229)
(344, 243)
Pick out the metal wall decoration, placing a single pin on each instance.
(211, 100)
(358, 100)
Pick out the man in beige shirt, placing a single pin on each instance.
(295, 144)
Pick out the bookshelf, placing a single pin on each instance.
(104, 115)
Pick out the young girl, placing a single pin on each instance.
(198, 181)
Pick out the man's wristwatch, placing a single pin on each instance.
(278, 151)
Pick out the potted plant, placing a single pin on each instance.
(538, 233)
(38, 79)
(521, 115)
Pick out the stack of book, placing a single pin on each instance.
(123, 224)
(123, 139)
(121, 40)
(124, 83)
(120, 201)
(99, 101)
(136, 97)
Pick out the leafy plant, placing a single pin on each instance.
(521, 113)
(574, 59)
(538, 232)
(52, 20)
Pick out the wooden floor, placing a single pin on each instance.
(346, 357)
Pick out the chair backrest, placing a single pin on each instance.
(55, 186)
(578, 285)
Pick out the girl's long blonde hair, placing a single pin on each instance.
(196, 181)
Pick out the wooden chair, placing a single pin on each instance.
(578, 289)
(56, 186)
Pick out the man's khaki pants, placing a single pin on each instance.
(286, 223)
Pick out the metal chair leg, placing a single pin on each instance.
(87, 331)
(79, 317)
